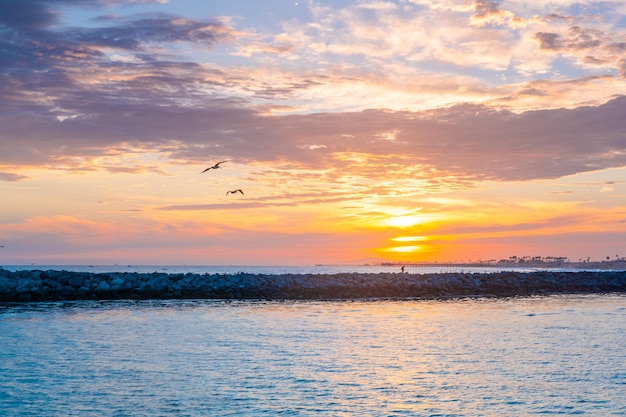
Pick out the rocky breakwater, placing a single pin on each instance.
(37, 285)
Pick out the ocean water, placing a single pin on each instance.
(552, 355)
(271, 270)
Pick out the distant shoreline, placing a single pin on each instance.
(610, 265)
(51, 285)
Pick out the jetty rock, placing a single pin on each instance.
(55, 285)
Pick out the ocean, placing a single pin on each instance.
(271, 269)
(518, 356)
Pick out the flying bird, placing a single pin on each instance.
(216, 166)
(234, 192)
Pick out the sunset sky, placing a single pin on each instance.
(408, 130)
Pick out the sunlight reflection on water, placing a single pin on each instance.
(517, 356)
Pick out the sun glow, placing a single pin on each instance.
(405, 249)
(408, 220)
(409, 239)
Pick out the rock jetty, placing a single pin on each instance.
(53, 285)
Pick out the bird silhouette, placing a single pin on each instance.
(216, 166)
(234, 192)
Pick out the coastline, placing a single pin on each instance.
(61, 285)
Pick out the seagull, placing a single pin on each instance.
(234, 192)
(216, 166)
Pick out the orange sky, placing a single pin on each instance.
(358, 130)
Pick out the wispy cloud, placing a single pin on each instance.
(8, 176)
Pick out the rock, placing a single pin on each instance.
(28, 286)
(76, 281)
(117, 282)
(103, 286)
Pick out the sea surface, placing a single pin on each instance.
(548, 355)
(272, 270)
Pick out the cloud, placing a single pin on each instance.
(577, 39)
(73, 94)
(8, 176)
(469, 141)
(39, 14)
(489, 12)
(622, 68)
(30, 42)
(359, 57)
(133, 33)
(28, 14)
(286, 200)
(588, 42)
(549, 40)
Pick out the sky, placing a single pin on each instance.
(358, 130)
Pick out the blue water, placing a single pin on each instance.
(272, 270)
(561, 355)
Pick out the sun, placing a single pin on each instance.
(409, 238)
(405, 249)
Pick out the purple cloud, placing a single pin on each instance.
(60, 103)
(465, 140)
(7, 176)
(548, 40)
(29, 14)
(29, 43)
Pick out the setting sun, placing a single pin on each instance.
(409, 238)
(408, 220)
(405, 249)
